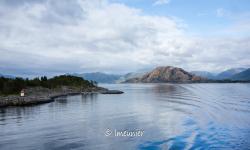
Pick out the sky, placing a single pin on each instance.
(51, 37)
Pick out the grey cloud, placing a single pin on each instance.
(18, 3)
(27, 64)
(52, 37)
(62, 11)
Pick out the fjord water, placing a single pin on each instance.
(172, 116)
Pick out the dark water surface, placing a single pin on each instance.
(172, 116)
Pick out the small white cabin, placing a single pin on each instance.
(22, 92)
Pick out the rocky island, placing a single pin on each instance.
(23, 92)
(167, 74)
(170, 74)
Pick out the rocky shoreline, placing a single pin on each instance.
(40, 95)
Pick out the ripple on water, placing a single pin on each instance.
(173, 116)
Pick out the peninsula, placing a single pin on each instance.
(23, 92)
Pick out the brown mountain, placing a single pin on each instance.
(167, 74)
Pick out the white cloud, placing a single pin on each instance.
(81, 36)
(161, 2)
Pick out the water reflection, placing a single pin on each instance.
(89, 98)
(173, 116)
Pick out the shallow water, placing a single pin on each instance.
(171, 116)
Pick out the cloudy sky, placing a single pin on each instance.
(49, 37)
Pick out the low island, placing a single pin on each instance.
(23, 92)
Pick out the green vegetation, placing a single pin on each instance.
(14, 86)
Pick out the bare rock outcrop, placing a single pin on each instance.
(167, 74)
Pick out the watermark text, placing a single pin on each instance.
(124, 133)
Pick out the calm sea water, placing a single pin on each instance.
(171, 116)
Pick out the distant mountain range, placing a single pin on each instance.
(204, 74)
(108, 78)
(244, 75)
(231, 74)
(163, 74)
(167, 74)
(99, 77)
(129, 76)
